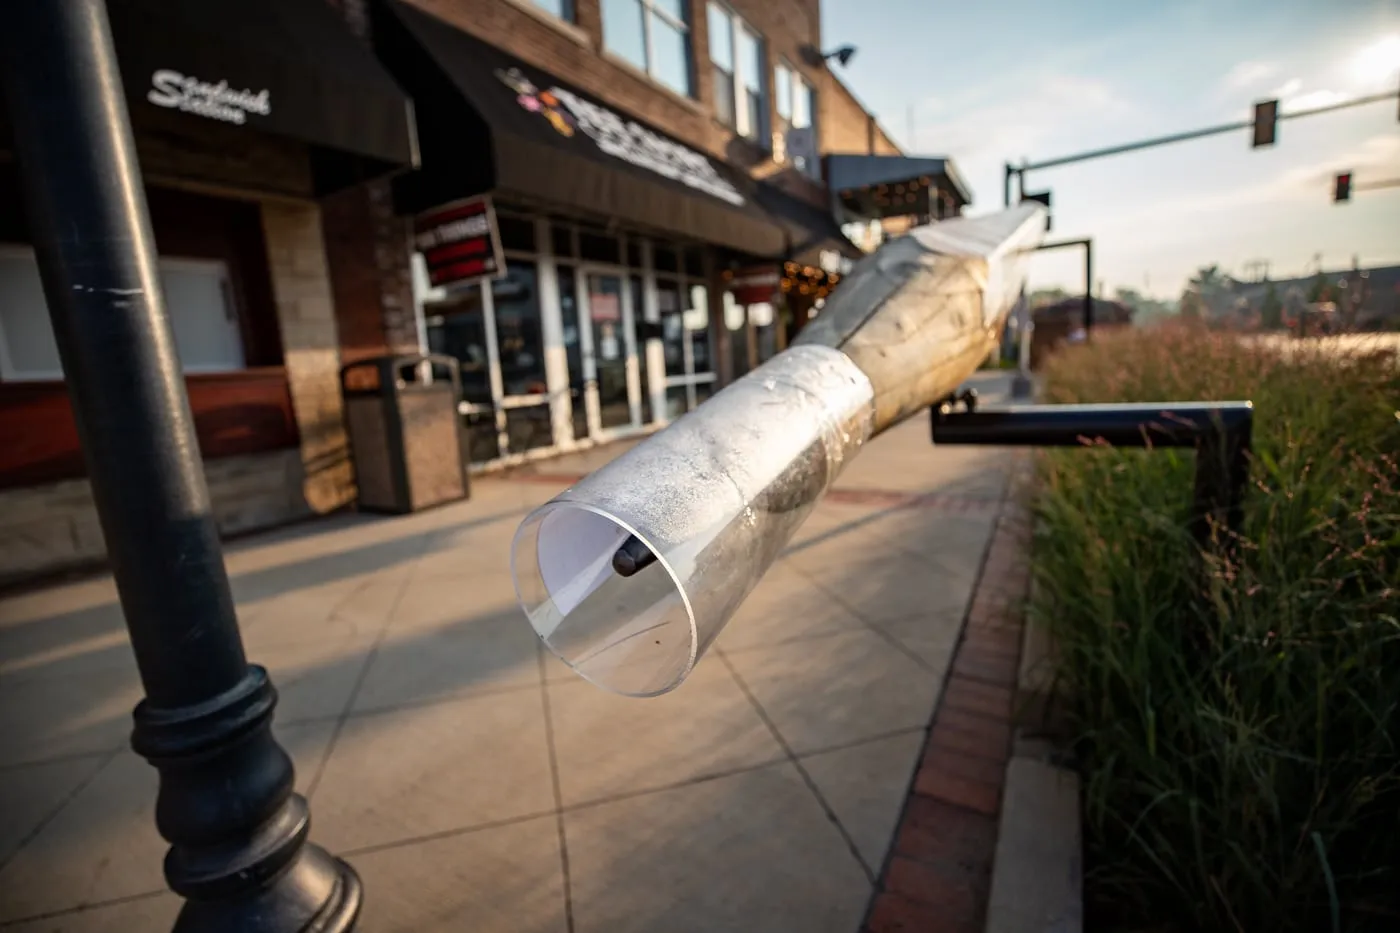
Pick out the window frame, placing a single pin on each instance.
(798, 85)
(651, 8)
(739, 74)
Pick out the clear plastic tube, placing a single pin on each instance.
(714, 498)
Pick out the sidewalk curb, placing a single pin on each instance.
(989, 838)
(1037, 871)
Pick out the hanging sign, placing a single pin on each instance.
(755, 285)
(460, 242)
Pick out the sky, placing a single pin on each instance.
(1020, 80)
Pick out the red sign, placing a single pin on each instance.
(459, 242)
(755, 285)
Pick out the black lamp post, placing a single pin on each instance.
(238, 834)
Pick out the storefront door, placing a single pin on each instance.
(613, 391)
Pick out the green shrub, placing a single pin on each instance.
(1237, 719)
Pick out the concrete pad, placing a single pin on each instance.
(32, 792)
(607, 745)
(147, 913)
(749, 853)
(104, 845)
(313, 679)
(506, 879)
(1037, 882)
(931, 637)
(397, 775)
(467, 653)
(785, 606)
(435, 600)
(66, 711)
(892, 586)
(837, 689)
(865, 787)
(347, 609)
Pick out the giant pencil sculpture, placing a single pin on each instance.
(629, 575)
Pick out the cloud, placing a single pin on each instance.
(996, 122)
(1288, 88)
(1300, 185)
(1247, 75)
(1310, 99)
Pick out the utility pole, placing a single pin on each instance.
(239, 854)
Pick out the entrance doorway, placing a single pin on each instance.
(608, 352)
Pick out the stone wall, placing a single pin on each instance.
(54, 527)
(310, 348)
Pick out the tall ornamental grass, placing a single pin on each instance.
(1237, 717)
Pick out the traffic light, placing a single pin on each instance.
(1342, 191)
(1265, 123)
(1042, 197)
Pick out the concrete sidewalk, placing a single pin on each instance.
(477, 784)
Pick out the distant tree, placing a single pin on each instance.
(1319, 290)
(1271, 311)
(1145, 309)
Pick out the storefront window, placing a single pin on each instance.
(639, 332)
(734, 324)
(573, 351)
(519, 341)
(457, 328)
(673, 335)
(765, 327)
(562, 238)
(599, 247)
(197, 296)
(517, 233)
(697, 324)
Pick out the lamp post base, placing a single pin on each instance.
(318, 893)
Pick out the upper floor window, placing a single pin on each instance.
(654, 35)
(564, 9)
(797, 106)
(736, 61)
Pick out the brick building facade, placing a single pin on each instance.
(606, 322)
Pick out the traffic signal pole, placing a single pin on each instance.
(1019, 171)
(239, 853)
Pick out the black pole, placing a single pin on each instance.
(1006, 186)
(1088, 287)
(239, 853)
(1220, 432)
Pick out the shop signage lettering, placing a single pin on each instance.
(620, 138)
(217, 101)
(459, 242)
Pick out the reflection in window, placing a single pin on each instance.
(519, 340)
(736, 66)
(564, 9)
(668, 303)
(697, 323)
(456, 328)
(573, 352)
(653, 35)
(639, 340)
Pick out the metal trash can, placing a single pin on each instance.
(405, 433)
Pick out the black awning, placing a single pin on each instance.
(811, 230)
(289, 67)
(489, 122)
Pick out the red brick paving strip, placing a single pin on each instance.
(939, 871)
